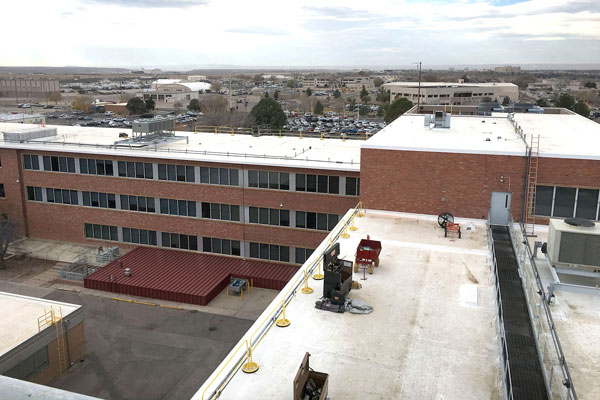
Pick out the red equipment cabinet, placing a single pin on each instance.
(367, 254)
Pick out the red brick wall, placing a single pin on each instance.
(12, 204)
(569, 172)
(65, 222)
(414, 181)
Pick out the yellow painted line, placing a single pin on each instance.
(119, 299)
(144, 303)
(171, 307)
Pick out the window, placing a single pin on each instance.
(137, 203)
(269, 216)
(352, 186)
(33, 193)
(178, 173)
(269, 180)
(139, 236)
(2, 194)
(103, 232)
(543, 200)
(96, 167)
(223, 212)
(31, 161)
(587, 203)
(564, 202)
(179, 241)
(320, 221)
(269, 252)
(178, 207)
(59, 164)
(131, 169)
(221, 246)
(302, 255)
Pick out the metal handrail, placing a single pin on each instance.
(567, 381)
(506, 375)
(263, 328)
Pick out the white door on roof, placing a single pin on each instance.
(500, 208)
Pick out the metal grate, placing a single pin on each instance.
(525, 371)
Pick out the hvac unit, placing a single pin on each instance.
(574, 242)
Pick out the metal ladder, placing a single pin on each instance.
(534, 153)
(54, 317)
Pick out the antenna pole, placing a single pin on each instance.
(419, 95)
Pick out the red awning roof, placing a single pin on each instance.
(184, 276)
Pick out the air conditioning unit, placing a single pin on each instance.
(574, 243)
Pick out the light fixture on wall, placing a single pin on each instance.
(502, 179)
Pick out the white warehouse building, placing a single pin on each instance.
(173, 90)
(453, 93)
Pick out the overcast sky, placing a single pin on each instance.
(122, 33)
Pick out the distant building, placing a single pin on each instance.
(196, 78)
(151, 70)
(28, 88)
(316, 83)
(453, 93)
(173, 90)
(507, 69)
(357, 82)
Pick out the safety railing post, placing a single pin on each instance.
(282, 322)
(306, 289)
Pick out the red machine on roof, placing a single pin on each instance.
(367, 254)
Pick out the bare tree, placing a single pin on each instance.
(55, 97)
(125, 97)
(8, 233)
(214, 103)
(82, 103)
(178, 105)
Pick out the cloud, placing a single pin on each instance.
(151, 3)
(257, 30)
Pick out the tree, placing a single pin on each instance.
(136, 106)
(194, 105)
(591, 85)
(396, 109)
(381, 110)
(55, 97)
(82, 103)
(318, 107)
(308, 92)
(363, 92)
(383, 96)
(364, 110)
(524, 80)
(352, 103)
(541, 103)
(430, 77)
(125, 97)
(178, 104)
(214, 103)
(150, 104)
(266, 95)
(215, 87)
(366, 99)
(291, 83)
(8, 233)
(565, 100)
(377, 81)
(269, 112)
(582, 109)
(506, 101)
(337, 94)
(276, 94)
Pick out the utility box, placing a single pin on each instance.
(318, 391)
(338, 275)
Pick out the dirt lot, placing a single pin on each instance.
(20, 268)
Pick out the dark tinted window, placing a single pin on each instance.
(564, 202)
(543, 200)
(587, 203)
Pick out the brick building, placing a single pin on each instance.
(416, 167)
(269, 198)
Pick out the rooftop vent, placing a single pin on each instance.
(439, 119)
(28, 134)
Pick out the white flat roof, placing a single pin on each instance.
(467, 134)
(431, 334)
(20, 318)
(20, 116)
(293, 152)
(561, 135)
(450, 84)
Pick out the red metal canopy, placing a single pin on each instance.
(183, 276)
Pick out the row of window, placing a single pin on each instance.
(31, 366)
(103, 232)
(186, 173)
(61, 196)
(178, 207)
(269, 252)
(96, 199)
(225, 212)
(269, 180)
(179, 241)
(139, 236)
(137, 203)
(221, 246)
(320, 221)
(93, 166)
(140, 170)
(556, 201)
(269, 216)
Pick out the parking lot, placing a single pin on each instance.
(332, 124)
